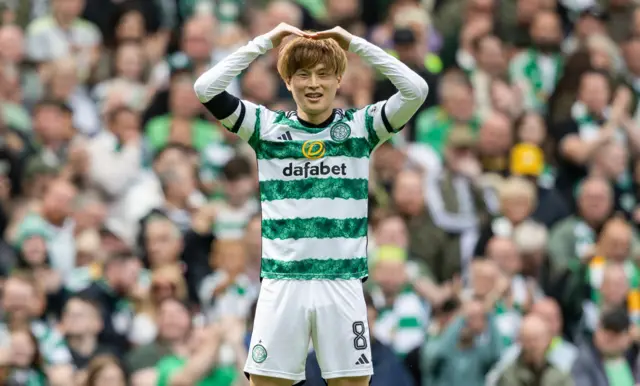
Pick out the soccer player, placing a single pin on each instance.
(313, 166)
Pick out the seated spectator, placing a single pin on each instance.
(606, 359)
(532, 366)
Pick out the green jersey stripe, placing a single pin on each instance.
(356, 147)
(373, 136)
(315, 227)
(345, 188)
(308, 269)
(254, 140)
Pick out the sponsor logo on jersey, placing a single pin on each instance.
(340, 131)
(313, 149)
(321, 169)
(259, 353)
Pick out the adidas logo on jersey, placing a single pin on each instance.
(286, 136)
(314, 170)
(362, 360)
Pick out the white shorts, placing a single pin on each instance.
(291, 313)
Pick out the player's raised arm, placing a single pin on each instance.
(412, 89)
(236, 115)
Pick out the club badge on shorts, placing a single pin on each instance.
(340, 131)
(259, 353)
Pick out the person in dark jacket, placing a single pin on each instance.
(387, 368)
(606, 360)
(112, 295)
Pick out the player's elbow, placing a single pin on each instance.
(423, 89)
(200, 87)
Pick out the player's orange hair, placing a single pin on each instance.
(304, 53)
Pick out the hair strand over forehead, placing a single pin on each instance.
(305, 53)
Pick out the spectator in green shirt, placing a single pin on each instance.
(457, 107)
(182, 124)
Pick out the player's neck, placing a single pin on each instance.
(315, 119)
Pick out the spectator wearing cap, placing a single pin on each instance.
(528, 161)
(403, 316)
(386, 365)
(606, 360)
(455, 202)
(537, 70)
(432, 126)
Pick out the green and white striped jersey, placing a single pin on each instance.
(313, 178)
(313, 190)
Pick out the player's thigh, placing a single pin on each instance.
(258, 380)
(340, 330)
(351, 381)
(281, 331)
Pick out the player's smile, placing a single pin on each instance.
(313, 97)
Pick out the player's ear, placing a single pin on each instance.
(288, 84)
(339, 80)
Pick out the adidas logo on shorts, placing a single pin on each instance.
(363, 360)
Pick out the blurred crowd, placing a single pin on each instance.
(504, 236)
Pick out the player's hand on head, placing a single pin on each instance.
(283, 30)
(339, 34)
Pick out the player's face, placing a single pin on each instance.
(314, 89)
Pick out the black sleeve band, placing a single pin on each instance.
(387, 125)
(222, 105)
(236, 126)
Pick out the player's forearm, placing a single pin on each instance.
(215, 80)
(412, 89)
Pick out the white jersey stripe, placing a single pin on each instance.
(321, 249)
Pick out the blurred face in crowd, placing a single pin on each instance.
(516, 207)
(58, 200)
(197, 36)
(34, 251)
(615, 240)
(594, 92)
(130, 61)
(174, 321)
(125, 275)
(388, 162)
(484, 274)
(503, 251)
(47, 123)
(491, 56)
(239, 190)
(130, 27)
(11, 44)
(125, 121)
(588, 25)
(548, 310)
(392, 231)
(110, 375)
(80, 319)
(611, 343)
(163, 242)
(535, 337)
(23, 349)
(342, 11)
(18, 298)
(632, 55)
(408, 194)
(65, 79)
(68, 9)
(259, 84)
(253, 239)
(183, 101)
(615, 285)
(183, 183)
(390, 275)
(283, 12)
(89, 213)
(595, 201)
(495, 137)
(532, 129)
(166, 283)
(229, 256)
(168, 158)
(457, 101)
(546, 32)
